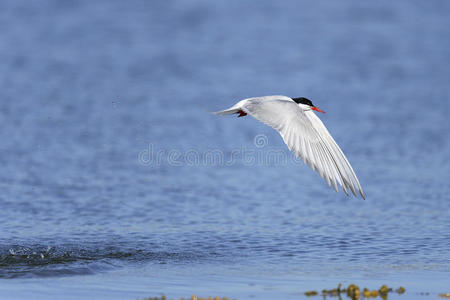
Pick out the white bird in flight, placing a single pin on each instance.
(304, 134)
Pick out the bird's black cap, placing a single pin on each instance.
(303, 100)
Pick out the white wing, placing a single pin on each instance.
(307, 137)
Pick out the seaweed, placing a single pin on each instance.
(354, 292)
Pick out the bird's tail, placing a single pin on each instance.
(225, 112)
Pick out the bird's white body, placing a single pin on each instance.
(305, 135)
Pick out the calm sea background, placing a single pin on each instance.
(116, 182)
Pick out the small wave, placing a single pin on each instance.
(45, 261)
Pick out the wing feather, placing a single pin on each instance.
(307, 137)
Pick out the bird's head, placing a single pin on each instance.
(306, 104)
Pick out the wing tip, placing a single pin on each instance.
(362, 194)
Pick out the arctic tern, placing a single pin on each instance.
(304, 134)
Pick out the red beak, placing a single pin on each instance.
(317, 109)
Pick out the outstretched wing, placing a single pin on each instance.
(307, 137)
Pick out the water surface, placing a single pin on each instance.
(116, 182)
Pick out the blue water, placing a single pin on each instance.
(116, 183)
